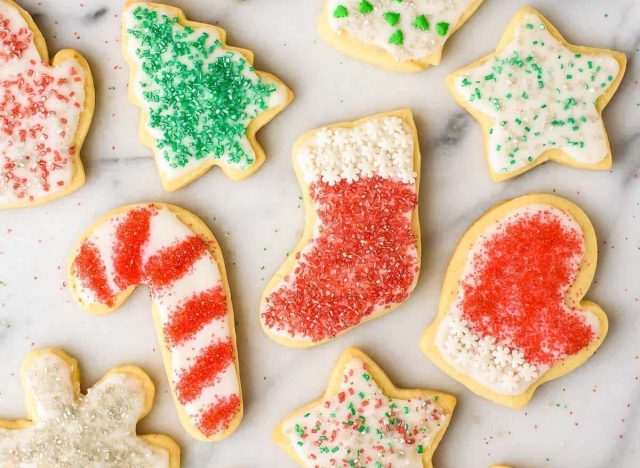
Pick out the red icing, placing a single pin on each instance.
(517, 289)
(218, 416)
(194, 314)
(364, 256)
(90, 268)
(28, 102)
(209, 364)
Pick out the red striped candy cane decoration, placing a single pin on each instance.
(172, 252)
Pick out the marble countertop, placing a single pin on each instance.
(589, 418)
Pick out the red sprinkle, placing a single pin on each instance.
(364, 258)
(91, 270)
(219, 415)
(174, 262)
(131, 237)
(517, 290)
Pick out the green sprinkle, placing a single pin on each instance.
(391, 17)
(466, 82)
(340, 12)
(335, 449)
(420, 449)
(366, 376)
(397, 38)
(365, 7)
(529, 26)
(442, 28)
(421, 23)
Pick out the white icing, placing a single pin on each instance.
(142, 83)
(532, 111)
(97, 430)
(58, 136)
(372, 28)
(374, 435)
(499, 366)
(379, 147)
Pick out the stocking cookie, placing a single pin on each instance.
(359, 256)
(511, 312)
(175, 255)
(46, 112)
(539, 98)
(67, 428)
(364, 420)
(398, 35)
(202, 101)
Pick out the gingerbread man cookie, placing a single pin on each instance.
(511, 313)
(539, 98)
(172, 252)
(67, 428)
(202, 101)
(364, 420)
(399, 35)
(46, 112)
(359, 256)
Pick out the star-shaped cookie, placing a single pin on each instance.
(66, 428)
(539, 98)
(364, 420)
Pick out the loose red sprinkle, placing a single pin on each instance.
(517, 289)
(364, 257)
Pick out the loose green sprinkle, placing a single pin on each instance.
(391, 17)
(365, 7)
(421, 23)
(340, 12)
(200, 96)
(442, 28)
(397, 38)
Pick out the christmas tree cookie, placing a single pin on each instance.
(175, 255)
(359, 256)
(67, 428)
(399, 35)
(539, 98)
(512, 314)
(202, 101)
(364, 420)
(46, 112)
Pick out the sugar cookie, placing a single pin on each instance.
(406, 36)
(511, 312)
(46, 112)
(359, 256)
(172, 252)
(539, 98)
(202, 101)
(67, 428)
(364, 420)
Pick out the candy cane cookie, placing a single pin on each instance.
(202, 101)
(359, 256)
(512, 314)
(46, 111)
(175, 255)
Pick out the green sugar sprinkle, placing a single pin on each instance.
(365, 7)
(442, 28)
(391, 17)
(397, 38)
(340, 12)
(200, 97)
(421, 23)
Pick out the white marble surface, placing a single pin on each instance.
(588, 419)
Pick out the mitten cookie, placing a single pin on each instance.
(202, 101)
(359, 256)
(67, 428)
(539, 98)
(398, 35)
(46, 112)
(511, 312)
(364, 420)
(173, 253)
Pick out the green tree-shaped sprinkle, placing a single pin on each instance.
(365, 7)
(340, 12)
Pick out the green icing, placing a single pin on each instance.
(391, 18)
(341, 12)
(365, 7)
(442, 28)
(421, 23)
(397, 37)
(200, 97)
